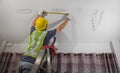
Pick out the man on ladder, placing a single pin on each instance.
(38, 37)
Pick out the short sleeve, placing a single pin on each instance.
(32, 29)
(49, 35)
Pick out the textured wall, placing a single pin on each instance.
(91, 21)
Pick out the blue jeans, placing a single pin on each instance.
(24, 67)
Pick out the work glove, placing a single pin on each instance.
(68, 16)
(42, 13)
(65, 16)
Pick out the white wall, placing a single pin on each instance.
(2, 46)
(116, 47)
(80, 28)
(94, 23)
(69, 48)
(17, 47)
(0, 42)
(85, 48)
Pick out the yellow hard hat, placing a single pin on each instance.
(41, 23)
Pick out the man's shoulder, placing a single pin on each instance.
(51, 31)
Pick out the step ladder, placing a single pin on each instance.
(43, 63)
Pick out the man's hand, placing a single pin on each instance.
(43, 14)
(67, 14)
(68, 18)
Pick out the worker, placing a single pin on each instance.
(38, 37)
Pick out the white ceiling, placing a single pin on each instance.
(16, 17)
